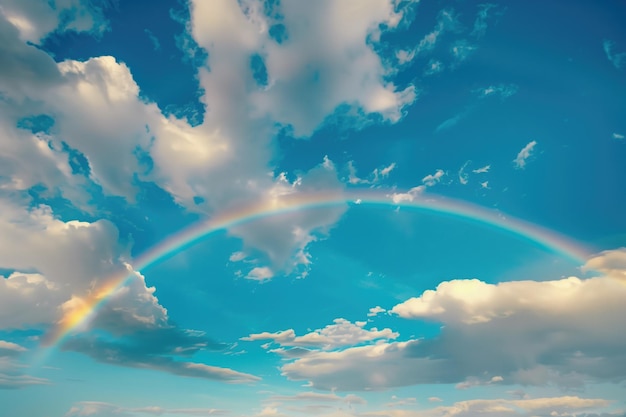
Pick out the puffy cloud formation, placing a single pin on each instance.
(524, 332)
(100, 131)
(102, 409)
(341, 333)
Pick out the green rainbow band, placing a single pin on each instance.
(185, 238)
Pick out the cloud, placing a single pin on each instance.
(429, 180)
(618, 136)
(446, 21)
(502, 90)
(69, 259)
(133, 330)
(260, 273)
(612, 263)
(374, 311)
(318, 397)
(517, 332)
(321, 58)
(480, 24)
(11, 374)
(432, 179)
(464, 176)
(482, 170)
(341, 333)
(538, 407)
(35, 20)
(461, 50)
(377, 175)
(102, 409)
(156, 45)
(75, 261)
(524, 154)
(617, 59)
(451, 122)
(433, 67)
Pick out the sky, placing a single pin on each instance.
(373, 208)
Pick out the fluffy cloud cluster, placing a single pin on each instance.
(100, 131)
(341, 333)
(518, 332)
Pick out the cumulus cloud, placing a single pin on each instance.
(612, 263)
(524, 154)
(374, 311)
(520, 332)
(341, 333)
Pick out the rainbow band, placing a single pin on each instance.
(191, 235)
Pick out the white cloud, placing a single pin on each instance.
(374, 311)
(617, 59)
(429, 180)
(520, 332)
(464, 176)
(537, 407)
(432, 179)
(524, 154)
(36, 19)
(11, 371)
(102, 409)
(446, 21)
(612, 263)
(318, 397)
(618, 136)
(260, 273)
(377, 175)
(482, 170)
(341, 333)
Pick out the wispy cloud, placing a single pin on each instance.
(97, 409)
(461, 50)
(377, 175)
(617, 59)
(446, 21)
(618, 136)
(433, 67)
(156, 45)
(480, 24)
(482, 170)
(428, 181)
(502, 90)
(524, 154)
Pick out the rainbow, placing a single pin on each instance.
(539, 236)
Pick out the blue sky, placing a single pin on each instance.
(125, 122)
